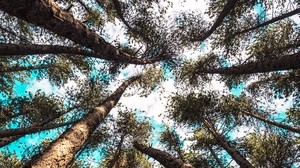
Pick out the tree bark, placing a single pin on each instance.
(117, 153)
(47, 14)
(20, 68)
(61, 151)
(32, 49)
(9, 139)
(219, 162)
(239, 159)
(33, 129)
(277, 124)
(162, 157)
(275, 19)
(287, 62)
(225, 11)
(118, 9)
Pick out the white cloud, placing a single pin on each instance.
(43, 85)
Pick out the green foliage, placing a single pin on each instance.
(9, 160)
(153, 34)
(270, 150)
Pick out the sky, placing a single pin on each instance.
(154, 105)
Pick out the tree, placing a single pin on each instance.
(270, 149)
(58, 153)
(164, 158)
(66, 45)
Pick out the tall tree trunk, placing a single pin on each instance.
(47, 14)
(32, 49)
(239, 159)
(32, 129)
(117, 153)
(118, 9)
(287, 62)
(275, 19)
(162, 157)
(219, 162)
(61, 151)
(175, 144)
(277, 124)
(225, 11)
(23, 68)
(9, 139)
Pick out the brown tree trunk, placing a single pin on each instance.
(47, 14)
(13, 69)
(33, 129)
(61, 151)
(32, 49)
(239, 159)
(162, 157)
(287, 62)
(277, 124)
(9, 139)
(227, 8)
(219, 162)
(117, 153)
(283, 16)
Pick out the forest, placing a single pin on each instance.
(149, 83)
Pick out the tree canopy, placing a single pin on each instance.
(149, 83)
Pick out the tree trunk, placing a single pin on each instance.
(277, 124)
(9, 139)
(283, 16)
(33, 129)
(162, 157)
(219, 162)
(287, 62)
(239, 159)
(61, 151)
(47, 14)
(225, 11)
(32, 49)
(20, 68)
(117, 153)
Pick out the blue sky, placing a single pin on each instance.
(152, 105)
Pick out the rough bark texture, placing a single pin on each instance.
(227, 8)
(47, 14)
(162, 157)
(287, 62)
(277, 124)
(61, 152)
(239, 159)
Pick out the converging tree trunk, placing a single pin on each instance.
(117, 153)
(277, 124)
(215, 156)
(225, 11)
(162, 157)
(275, 19)
(47, 14)
(287, 62)
(32, 49)
(61, 151)
(13, 135)
(239, 159)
